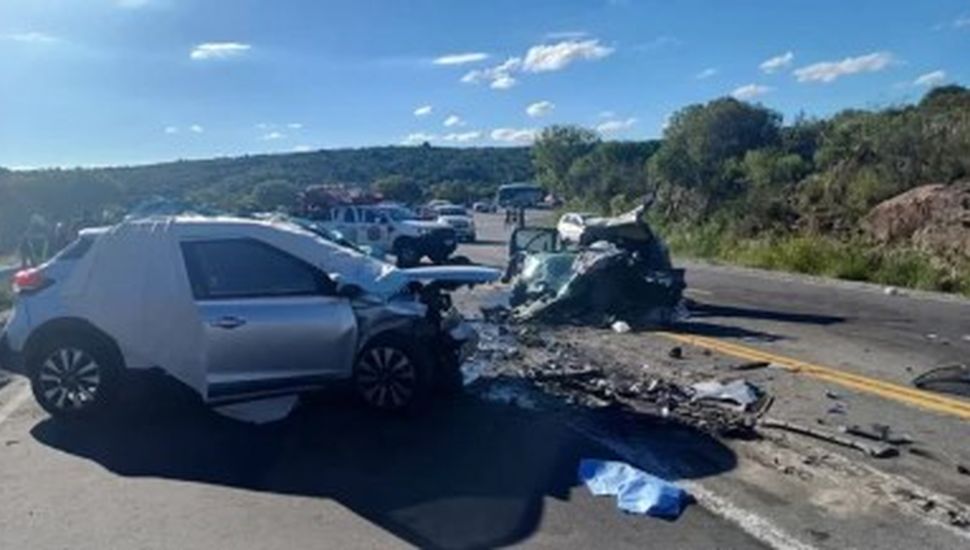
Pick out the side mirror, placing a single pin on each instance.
(350, 291)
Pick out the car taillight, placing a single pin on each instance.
(29, 280)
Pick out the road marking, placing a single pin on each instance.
(698, 291)
(20, 394)
(887, 390)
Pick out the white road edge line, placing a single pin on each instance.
(21, 391)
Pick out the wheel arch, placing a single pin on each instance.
(74, 326)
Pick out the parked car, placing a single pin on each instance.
(458, 219)
(389, 227)
(571, 226)
(484, 207)
(235, 309)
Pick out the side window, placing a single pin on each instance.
(247, 268)
(370, 215)
(349, 215)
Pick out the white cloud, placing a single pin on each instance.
(607, 114)
(750, 91)
(453, 120)
(499, 77)
(460, 58)
(423, 110)
(272, 136)
(962, 22)
(555, 57)
(32, 37)
(611, 126)
(295, 125)
(706, 73)
(418, 137)
(934, 78)
(777, 63)
(218, 50)
(514, 135)
(196, 129)
(828, 71)
(540, 108)
(462, 137)
(302, 148)
(171, 130)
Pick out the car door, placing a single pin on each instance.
(272, 322)
(347, 224)
(373, 232)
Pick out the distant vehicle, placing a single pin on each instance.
(389, 227)
(235, 309)
(484, 206)
(571, 226)
(458, 219)
(437, 202)
(519, 195)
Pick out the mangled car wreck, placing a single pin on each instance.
(239, 310)
(619, 269)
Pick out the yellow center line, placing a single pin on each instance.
(888, 390)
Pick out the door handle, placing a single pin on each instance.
(228, 322)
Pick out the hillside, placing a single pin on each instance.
(239, 183)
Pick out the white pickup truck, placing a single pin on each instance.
(391, 228)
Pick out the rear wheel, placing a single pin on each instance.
(390, 375)
(74, 377)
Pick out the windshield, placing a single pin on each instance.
(399, 213)
(452, 211)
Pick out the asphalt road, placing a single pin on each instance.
(165, 472)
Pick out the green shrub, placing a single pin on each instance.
(6, 299)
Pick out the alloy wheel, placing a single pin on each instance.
(386, 378)
(69, 379)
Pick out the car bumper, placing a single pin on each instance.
(9, 359)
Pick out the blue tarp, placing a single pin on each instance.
(636, 492)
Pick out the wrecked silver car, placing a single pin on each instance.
(240, 311)
(619, 269)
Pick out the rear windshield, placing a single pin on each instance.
(77, 249)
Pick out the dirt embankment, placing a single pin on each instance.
(932, 218)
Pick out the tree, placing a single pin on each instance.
(703, 141)
(400, 189)
(274, 195)
(554, 152)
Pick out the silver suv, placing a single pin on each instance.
(238, 310)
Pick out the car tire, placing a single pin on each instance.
(391, 375)
(439, 258)
(407, 253)
(75, 376)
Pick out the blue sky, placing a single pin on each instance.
(99, 82)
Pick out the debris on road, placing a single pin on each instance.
(636, 491)
(738, 392)
(620, 327)
(891, 291)
(953, 379)
(877, 432)
(751, 365)
(621, 268)
(676, 352)
(875, 451)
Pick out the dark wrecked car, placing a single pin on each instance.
(619, 269)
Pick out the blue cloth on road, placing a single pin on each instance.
(636, 492)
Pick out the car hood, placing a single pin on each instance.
(454, 274)
(426, 224)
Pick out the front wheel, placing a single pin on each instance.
(391, 375)
(74, 377)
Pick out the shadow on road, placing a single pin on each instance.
(698, 309)
(715, 330)
(466, 474)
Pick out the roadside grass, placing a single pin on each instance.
(819, 255)
(6, 299)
